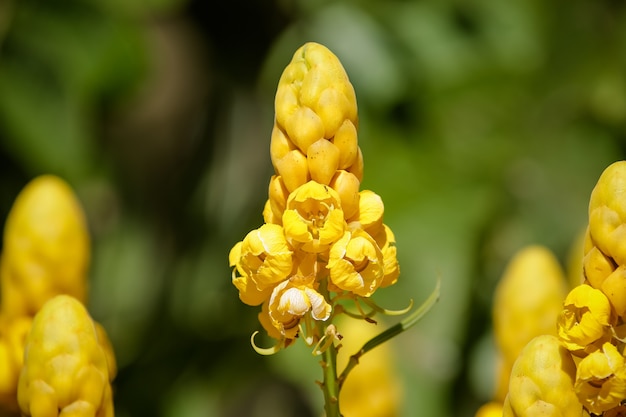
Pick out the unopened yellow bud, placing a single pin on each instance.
(347, 186)
(607, 212)
(346, 140)
(278, 194)
(542, 381)
(597, 267)
(65, 366)
(323, 159)
(614, 287)
(46, 247)
(294, 169)
(13, 332)
(527, 300)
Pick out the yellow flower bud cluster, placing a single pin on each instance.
(321, 233)
(46, 251)
(67, 371)
(590, 365)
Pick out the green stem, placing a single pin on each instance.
(330, 385)
(391, 332)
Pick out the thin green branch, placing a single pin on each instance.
(391, 332)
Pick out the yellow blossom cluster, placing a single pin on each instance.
(582, 370)
(321, 233)
(54, 359)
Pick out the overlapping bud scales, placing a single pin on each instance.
(527, 300)
(322, 235)
(46, 247)
(66, 370)
(13, 332)
(542, 382)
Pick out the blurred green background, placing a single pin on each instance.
(484, 126)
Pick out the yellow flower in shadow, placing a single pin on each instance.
(601, 379)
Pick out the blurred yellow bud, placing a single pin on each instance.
(490, 409)
(65, 368)
(527, 300)
(13, 332)
(542, 381)
(46, 247)
(373, 388)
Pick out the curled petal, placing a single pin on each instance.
(601, 379)
(356, 263)
(264, 256)
(585, 318)
(386, 241)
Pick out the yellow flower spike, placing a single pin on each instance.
(601, 379)
(323, 160)
(607, 212)
(347, 186)
(313, 217)
(46, 247)
(65, 370)
(264, 256)
(542, 381)
(527, 300)
(356, 264)
(585, 318)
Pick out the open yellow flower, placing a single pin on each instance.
(263, 257)
(356, 263)
(601, 379)
(585, 318)
(313, 218)
(291, 300)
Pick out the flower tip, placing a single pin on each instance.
(265, 351)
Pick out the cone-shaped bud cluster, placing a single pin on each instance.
(319, 226)
(66, 369)
(46, 251)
